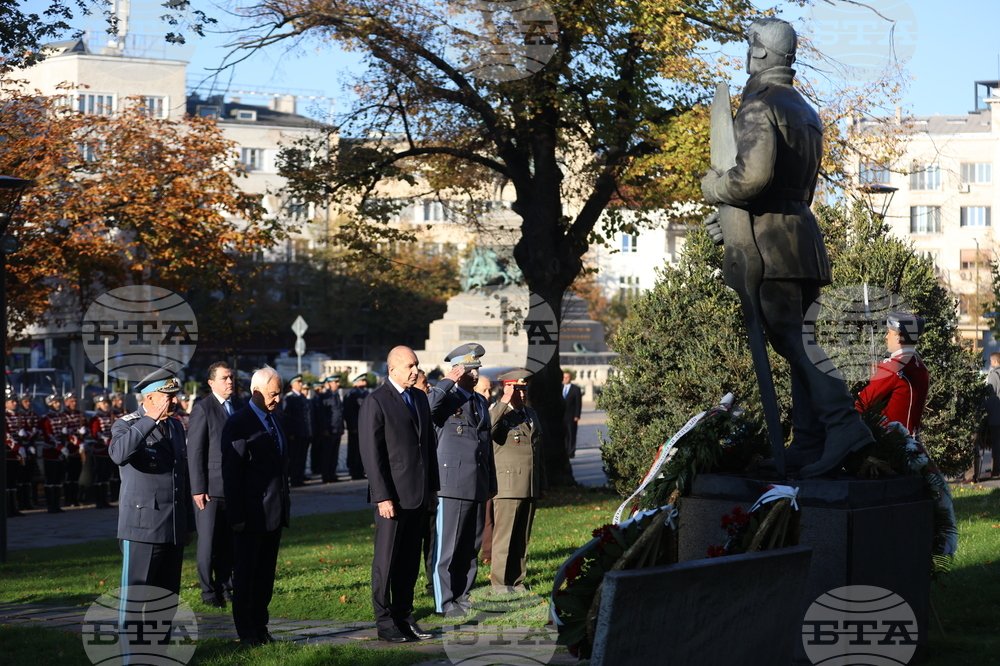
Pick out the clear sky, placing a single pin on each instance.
(946, 47)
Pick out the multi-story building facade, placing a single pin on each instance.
(940, 195)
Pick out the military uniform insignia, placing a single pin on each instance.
(458, 430)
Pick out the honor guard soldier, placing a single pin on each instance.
(13, 450)
(517, 450)
(352, 408)
(900, 381)
(54, 431)
(117, 411)
(117, 404)
(155, 513)
(467, 475)
(100, 441)
(75, 427)
(26, 489)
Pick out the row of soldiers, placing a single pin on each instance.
(55, 447)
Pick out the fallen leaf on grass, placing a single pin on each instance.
(343, 598)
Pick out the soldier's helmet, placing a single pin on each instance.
(53, 399)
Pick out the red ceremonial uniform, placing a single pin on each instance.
(902, 379)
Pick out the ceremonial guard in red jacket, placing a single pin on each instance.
(13, 451)
(26, 490)
(54, 431)
(100, 439)
(76, 432)
(900, 381)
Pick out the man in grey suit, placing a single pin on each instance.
(155, 518)
(255, 459)
(204, 442)
(468, 478)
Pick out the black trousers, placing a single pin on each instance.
(354, 465)
(298, 448)
(255, 555)
(215, 550)
(395, 566)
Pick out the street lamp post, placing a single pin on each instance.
(11, 190)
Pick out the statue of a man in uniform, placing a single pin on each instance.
(779, 141)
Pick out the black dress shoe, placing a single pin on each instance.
(414, 630)
(215, 602)
(393, 635)
(266, 638)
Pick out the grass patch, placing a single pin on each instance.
(324, 565)
(324, 573)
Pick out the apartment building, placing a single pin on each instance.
(941, 193)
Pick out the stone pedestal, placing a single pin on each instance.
(741, 609)
(861, 533)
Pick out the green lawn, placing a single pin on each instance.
(323, 573)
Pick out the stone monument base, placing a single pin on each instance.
(876, 533)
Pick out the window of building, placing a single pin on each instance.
(98, 104)
(966, 304)
(975, 216)
(245, 114)
(297, 210)
(925, 178)
(252, 158)
(925, 219)
(433, 211)
(207, 111)
(977, 172)
(874, 174)
(154, 106)
(89, 151)
(628, 286)
(630, 242)
(970, 259)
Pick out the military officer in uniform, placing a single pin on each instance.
(100, 440)
(468, 478)
(517, 449)
(329, 411)
(53, 426)
(298, 428)
(75, 428)
(352, 409)
(155, 513)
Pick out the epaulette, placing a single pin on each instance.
(131, 416)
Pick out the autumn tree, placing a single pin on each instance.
(124, 199)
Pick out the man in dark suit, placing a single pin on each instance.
(572, 407)
(352, 411)
(298, 427)
(155, 518)
(204, 442)
(397, 450)
(468, 478)
(255, 482)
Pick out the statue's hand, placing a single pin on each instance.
(708, 186)
(714, 228)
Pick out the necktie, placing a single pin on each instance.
(273, 429)
(475, 412)
(565, 391)
(409, 403)
(229, 407)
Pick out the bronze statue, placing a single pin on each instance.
(775, 257)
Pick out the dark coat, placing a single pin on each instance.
(298, 415)
(398, 454)
(779, 140)
(254, 473)
(328, 413)
(155, 503)
(464, 449)
(572, 404)
(204, 443)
